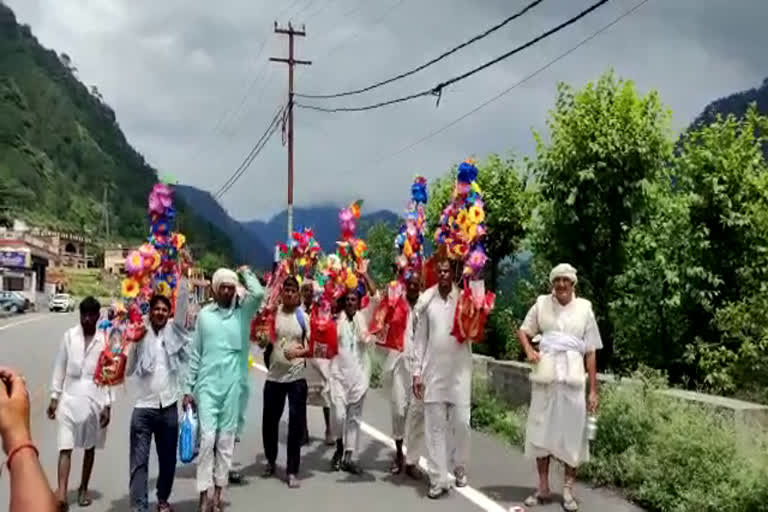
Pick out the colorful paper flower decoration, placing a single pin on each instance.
(462, 223)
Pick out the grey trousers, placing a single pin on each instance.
(163, 424)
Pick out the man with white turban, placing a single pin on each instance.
(217, 369)
(558, 412)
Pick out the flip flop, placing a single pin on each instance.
(83, 500)
(537, 499)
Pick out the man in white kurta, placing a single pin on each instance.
(350, 373)
(558, 412)
(407, 410)
(81, 408)
(443, 377)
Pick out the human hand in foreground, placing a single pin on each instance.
(14, 410)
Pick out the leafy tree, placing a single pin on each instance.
(210, 262)
(607, 144)
(508, 205)
(722, 165)
(692, 298)
(381, 241)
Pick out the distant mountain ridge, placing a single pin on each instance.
(246, 247)
(324, 220)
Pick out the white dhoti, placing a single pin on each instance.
(407, 410)
(448, 439)
(214, 460)
(345, 422)
(79, 423)
(558, 412)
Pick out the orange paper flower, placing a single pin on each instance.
(130, 288)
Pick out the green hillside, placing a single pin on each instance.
(61, 147)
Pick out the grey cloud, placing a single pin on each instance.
(171, 70)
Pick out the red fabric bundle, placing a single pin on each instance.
(323, 339)
(389, 321)
(110, 370)
(469, 319)
(430, 273)
(263, 327)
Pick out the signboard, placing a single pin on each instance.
(14, 258)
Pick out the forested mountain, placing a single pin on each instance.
(247, 246)
(737, 105)
(61, 147)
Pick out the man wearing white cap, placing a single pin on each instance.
(558, 412)
(215, 380)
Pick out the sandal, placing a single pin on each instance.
(164, 507)
(537, 499)
(63, 506)
(397, 465)
(569, 502)
(83, 500)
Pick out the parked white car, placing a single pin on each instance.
(62, 302)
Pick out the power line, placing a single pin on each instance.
(506, 91)
(271, 129)
(437, 90)
(437, 59)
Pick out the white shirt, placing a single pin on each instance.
(160, 388)
(75, 366)
(288, 332)
(444, 364)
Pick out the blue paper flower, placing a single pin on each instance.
(467, 172)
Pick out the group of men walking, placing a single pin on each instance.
(429, 384)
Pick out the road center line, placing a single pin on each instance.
(25, 321)
(470, 493)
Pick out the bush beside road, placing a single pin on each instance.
(666, 455)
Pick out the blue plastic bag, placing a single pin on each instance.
(188, 446)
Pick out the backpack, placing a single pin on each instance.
(302, 324)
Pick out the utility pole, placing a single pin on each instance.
(291, 32)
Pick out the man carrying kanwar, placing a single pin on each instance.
(219, 359)
(394, 323)
(449, 321)
(81, 407)
(442, 378)
(155, 365)
(557, 417)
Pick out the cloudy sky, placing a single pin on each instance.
(193, 88)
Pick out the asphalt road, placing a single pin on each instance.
(499, 475)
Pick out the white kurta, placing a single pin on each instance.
(445, 367)
(557, 415)
(444, 364)
(80, 399)
(350, 372)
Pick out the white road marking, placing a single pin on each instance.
(470, 493)
(25, 321)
